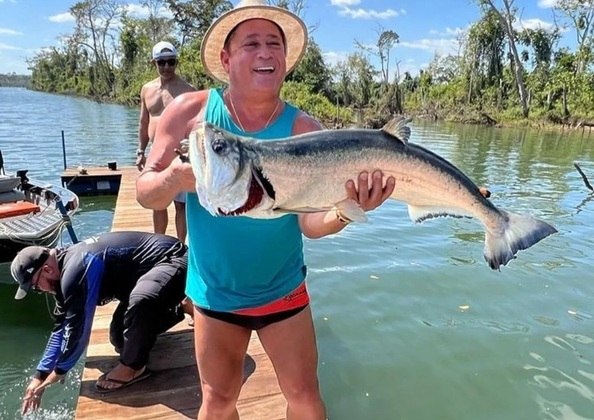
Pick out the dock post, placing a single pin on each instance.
(64, 149)
(67, 220)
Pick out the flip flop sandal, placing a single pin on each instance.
(122, 384)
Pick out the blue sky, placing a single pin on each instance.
(425, 27)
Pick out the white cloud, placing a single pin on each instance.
(136, 10)
(344, 2)
(62, 18)
(547, 4)
(5, 31)
(332, 58)
(455, 31)
(534, 24)
(368, 13)
(5, 47)
(142, 12)
(409, 66)
(448, 32)
(346, 9)
(12, 64)
(442, 46)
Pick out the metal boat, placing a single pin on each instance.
(32, 213)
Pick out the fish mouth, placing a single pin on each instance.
(259, 186)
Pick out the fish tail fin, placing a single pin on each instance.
(515, 233)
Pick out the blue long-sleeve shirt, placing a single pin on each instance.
(93, 273)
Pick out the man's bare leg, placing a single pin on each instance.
(291, 346)
(160, 220)
(220, 353)
(180, 220)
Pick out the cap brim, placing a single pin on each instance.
(20, 294)
(165, 55)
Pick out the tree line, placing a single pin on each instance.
(14, 80)
(502, 72)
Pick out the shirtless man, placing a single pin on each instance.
(154, 97)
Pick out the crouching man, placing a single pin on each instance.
(145, 272)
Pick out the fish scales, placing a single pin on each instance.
(316, 163)
(307, 173)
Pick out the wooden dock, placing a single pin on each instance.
(92, 181)
(173, 391)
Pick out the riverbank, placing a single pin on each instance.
(509, 119)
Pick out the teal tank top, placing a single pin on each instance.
(239, 262)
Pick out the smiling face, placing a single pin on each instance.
(254, 56)
(166, 68)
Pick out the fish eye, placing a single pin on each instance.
(219, 146)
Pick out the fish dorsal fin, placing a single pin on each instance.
(397, 127)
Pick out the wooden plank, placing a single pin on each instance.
(173, 391)
(92, 171)
(94, 181)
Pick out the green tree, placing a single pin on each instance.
(158, 27)
(482, 64)
(193, 17)
(542, 44)
(385, 43)
(506, 17)
(95, 32)
(581, 15)
(312, 71)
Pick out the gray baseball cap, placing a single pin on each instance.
(24, 266)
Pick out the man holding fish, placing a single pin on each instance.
(247, 274)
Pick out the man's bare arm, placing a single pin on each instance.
(165, 176)
(143, 124)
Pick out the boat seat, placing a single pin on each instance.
(18, 208)
(11, 196)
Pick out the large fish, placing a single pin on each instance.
(264, 179)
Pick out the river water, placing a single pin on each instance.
(411, 323)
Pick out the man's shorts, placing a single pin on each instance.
(181, 197)
(262, 316)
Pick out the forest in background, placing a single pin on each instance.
(501, 74)
(14, 80)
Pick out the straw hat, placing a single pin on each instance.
(292, 26)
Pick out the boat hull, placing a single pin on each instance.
(43, 222)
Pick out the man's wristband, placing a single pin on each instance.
(139, 152)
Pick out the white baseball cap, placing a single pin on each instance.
(164, 50)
